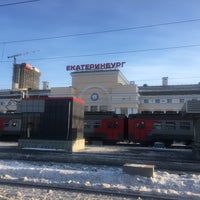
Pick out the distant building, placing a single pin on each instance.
(25, 76)
(166, 97)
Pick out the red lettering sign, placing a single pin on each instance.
(93, 67)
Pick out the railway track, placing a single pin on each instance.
(172, 159)
(109, 156)
(86, 190)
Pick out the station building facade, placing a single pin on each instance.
(111, 91)
(102, 90)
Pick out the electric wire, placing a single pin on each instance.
(116, 52)
(16, 3)
(101, 32)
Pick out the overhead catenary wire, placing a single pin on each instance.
(117, 52)
(101, 32)
(16, 3)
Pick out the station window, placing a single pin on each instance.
(157, 101)
(93, 108)
(146, 100)
(181, 100)
(124, 111)
(169, 100)
(103, 108)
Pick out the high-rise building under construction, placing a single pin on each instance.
(25, 76)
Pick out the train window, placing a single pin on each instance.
(6, 124)
(116, 125)
(170, 125)
(185, 125)
(97, 125)
(140, 124)
(157, 125)
(86, 125)
(109, 125)
(137, 125)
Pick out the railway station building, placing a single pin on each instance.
(104, 90)
(103, 87)
(109, 90)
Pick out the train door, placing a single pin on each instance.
(112, 130)
(139, 130)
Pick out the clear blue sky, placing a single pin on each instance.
(56, 18)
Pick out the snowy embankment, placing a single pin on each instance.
(180, 185)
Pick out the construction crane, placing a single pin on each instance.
(21, 54)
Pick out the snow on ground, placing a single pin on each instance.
(177, 184)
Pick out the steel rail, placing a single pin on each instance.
(86, 190)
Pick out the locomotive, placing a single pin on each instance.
(108, 127)
(144, 128)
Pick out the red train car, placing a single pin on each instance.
(111, 129)
(145, 129)
(106, 126)
(166, 128)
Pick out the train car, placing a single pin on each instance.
(145, 128)
(105, 126)
(109, 127)
(10, 126)
(165, 128)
